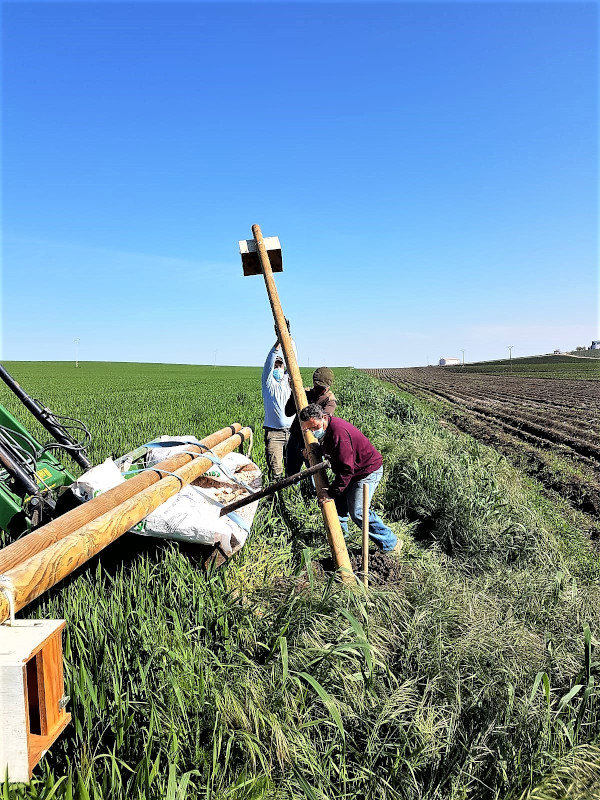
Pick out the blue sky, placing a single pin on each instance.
(430, 170)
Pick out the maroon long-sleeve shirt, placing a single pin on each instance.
(350, 453)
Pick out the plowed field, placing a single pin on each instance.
(530, 419)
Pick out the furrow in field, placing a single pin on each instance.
(552, 433)
(531, 429)
(570, 425)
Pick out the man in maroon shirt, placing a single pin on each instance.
(354, 462)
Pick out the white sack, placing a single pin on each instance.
(192, 515)
(97, 480)
(231, 462)
(189, 516)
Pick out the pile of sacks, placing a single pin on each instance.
(192, 515)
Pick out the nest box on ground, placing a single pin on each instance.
(32, 698)
(250, 259)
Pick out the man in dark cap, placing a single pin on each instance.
(321, 394)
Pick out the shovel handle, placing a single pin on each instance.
(274, 487)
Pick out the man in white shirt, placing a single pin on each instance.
(276, 391)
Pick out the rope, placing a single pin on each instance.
(213, 457)
(166, 472)
(6, 586)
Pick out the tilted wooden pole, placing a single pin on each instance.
(38, 540)
(335, 536)
(37, 574)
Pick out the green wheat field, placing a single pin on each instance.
(472, 673)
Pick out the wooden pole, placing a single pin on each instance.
(33, 543)
(335, 536)
(37, 574)
(365, 535)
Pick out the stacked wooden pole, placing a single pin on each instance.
(55, 552)
(335, 536)
(31, 544)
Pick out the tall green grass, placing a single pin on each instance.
(473, 676)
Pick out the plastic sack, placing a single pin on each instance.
(189, 517)
(231, 463)
(97, 480)
(193, 515)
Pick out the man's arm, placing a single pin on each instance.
(267, 373)
(290, 407)
(330, 405)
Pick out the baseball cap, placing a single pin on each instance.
(323, 377)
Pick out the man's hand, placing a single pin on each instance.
(316, 449)
(288, 327)
(322, 496)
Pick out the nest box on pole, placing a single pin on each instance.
(250, 258)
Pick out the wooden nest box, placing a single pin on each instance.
(250, 260)
(32, 699)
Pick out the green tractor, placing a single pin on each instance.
(33, 481)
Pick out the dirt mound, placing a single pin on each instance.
(384, 569)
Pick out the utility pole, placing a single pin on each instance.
(510, 349)
(76, 343)
(262, 265)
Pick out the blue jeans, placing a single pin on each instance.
(350, 504)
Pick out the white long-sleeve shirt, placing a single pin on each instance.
(275, 393)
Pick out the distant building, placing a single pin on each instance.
(595, 345)
(449, 362)
(557, 352)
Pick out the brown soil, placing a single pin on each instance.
(384, 569)
(526, 419)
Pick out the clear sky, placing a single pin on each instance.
(430, 169)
